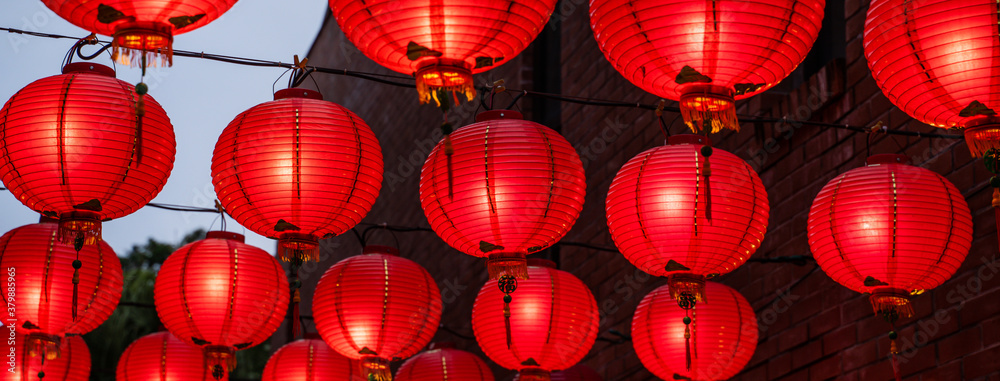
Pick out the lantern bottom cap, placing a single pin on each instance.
(687, 289)
(220, 360)
(708, 107)
(79, 228)
(982, 138)
(513, 264)
(298, 247)
(44, 345)
(438, 80)
(375, 368)
(891, 303)
(143, 44)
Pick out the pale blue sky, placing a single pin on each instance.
(201, 97)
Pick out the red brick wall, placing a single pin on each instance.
(811, 328)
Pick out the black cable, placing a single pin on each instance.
(182, 208)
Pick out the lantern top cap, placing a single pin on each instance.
(297, 93)
(89, 68)
(498, 114)
(887, 158)
(689, 139)
(380, 249)
(218, 234)
(538, 262)
(441, 345)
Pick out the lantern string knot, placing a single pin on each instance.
(507, 284)
(220, 360)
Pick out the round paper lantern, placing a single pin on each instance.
(511, 187)
(162, 357)
(687, 211)
(297, 169)
(76, 148)
(310, 360)
(706, 54)
(444, 362)
(222, 295)
(890, 229)
(144, 29)
(712, 341)
(376, 307)
(73, 363)
(936, 61)
(553, 322)
(40, 271)
(442, 43)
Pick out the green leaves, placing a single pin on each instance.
(93, 205)
(675, 266)
(487, 247)
(689, 74)
(872, 282)
(183, 21)
(744, 88)
(283, 225)
(107, 14)
(976, 108)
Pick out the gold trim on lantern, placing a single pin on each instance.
(452, 77)
(513, 264)
(143, 43)
(709, 107)
(983, 134)
(687, 284)
(892, 303)
(302, 247)
(79, 224)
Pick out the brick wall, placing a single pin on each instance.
(811, 328)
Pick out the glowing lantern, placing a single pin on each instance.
(77, 147)
(48, 304)
(143, 28)
(713, 341)
(687, 212)
(375, 307)
(73, 363)
(444, 362)
(222, 295)
(890, 229)
(706, 54)
(162, 357)
(553, 322)
(936, 61)
(310, 360)
(297, 169)
(442, 43)
(511, 187)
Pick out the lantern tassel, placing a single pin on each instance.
(76, 278)
(687, 342)
(706, 151)
(296, 325)
(507, 285)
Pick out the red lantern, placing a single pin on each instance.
(73, 364)
(511, 187)
(222, 295)
(143, 28)
(712, 341)
(76, 148)
(297, 169)
(890, 229)
(936, 61)
(706, 54)
(444, 362)
(553, 322)
(375, 307)
(162, 357)
(687, 212)
(442, 43)
(310, 360)
(39, 269)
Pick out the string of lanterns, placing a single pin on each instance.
(299, 169)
